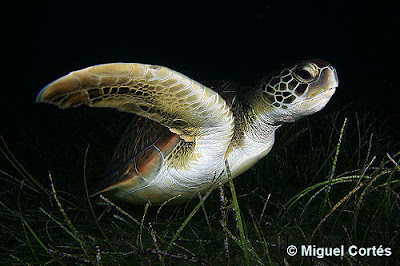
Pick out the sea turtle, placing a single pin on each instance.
(185, 131)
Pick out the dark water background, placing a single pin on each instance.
(241, 42)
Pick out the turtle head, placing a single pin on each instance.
(298, 90)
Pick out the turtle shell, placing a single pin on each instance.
(145, 147)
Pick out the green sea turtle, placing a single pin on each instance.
(186, 131)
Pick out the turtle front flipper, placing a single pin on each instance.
(158, 93)
(199, 115)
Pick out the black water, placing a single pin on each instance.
(239, 42)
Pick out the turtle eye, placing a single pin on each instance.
(304, 74)
(306, 71)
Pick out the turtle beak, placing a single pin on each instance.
(326, 83)
(321, 90)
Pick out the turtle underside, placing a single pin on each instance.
(147, 145)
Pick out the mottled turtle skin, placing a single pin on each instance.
(185, 131)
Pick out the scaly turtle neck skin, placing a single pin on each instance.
(187, 131)
(285, 97)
